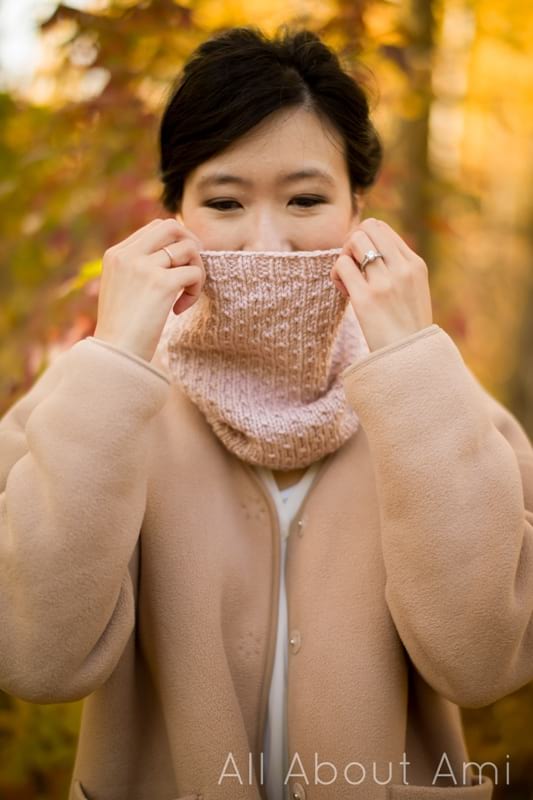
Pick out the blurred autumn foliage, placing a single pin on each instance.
(451, 85)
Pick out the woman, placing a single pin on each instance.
(143, 519)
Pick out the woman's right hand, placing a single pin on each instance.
(139, 285)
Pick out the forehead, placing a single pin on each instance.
(286, 147)
(282, 178)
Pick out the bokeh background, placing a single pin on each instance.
(451, 87)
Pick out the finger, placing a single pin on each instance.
(182, 253)
(357, 245)
(191, 280)
(339, 284)
(137, 234)
(190, 277)
(383, 241)
(166, 232)
(349, 274)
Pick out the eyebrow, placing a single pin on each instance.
(223, 178)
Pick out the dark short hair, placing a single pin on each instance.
(237, 78)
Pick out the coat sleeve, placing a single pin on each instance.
(73, 489)
(454, 475)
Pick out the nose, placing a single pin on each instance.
(265, 234)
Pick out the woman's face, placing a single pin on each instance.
(247, 198)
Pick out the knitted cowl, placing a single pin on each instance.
(261, 351)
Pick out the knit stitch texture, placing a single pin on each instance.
(261, 354)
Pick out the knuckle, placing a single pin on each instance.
(135, 265)
(111, 256)
(172, 224)
(189, 247)
(415, 268)
(409, 277)
(404, 269)
(186, 250)
(381, 290)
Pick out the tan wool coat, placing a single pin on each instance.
(140, 565)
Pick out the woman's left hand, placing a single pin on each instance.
(391, 299)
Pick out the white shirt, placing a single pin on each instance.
(275, 750)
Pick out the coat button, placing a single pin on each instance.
(295, 640)
(298, 792)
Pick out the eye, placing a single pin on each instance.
(303, 201)
(217, 203)
(309, 201)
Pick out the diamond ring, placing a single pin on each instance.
(368, 257)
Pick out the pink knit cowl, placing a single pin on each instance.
(261, 351)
